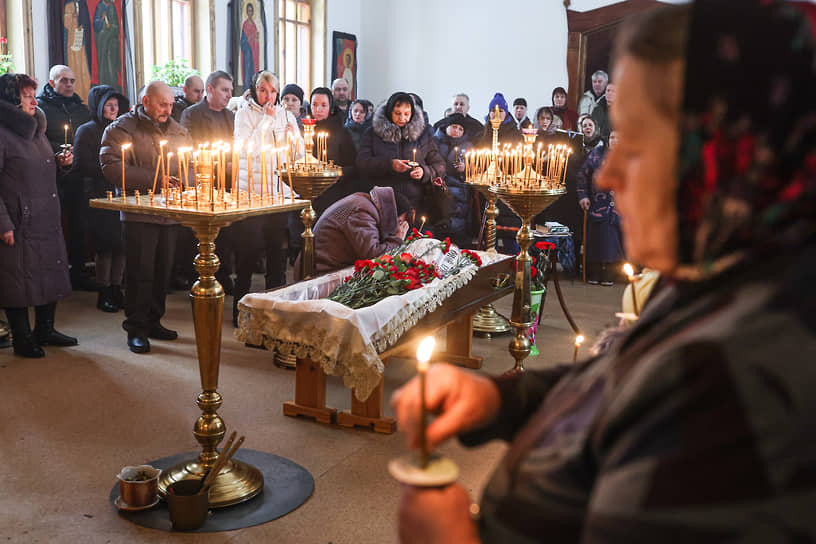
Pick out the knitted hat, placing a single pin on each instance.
(498, 100)
(520, 102)
(293, 89)
(452, 119)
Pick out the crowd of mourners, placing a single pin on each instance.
(69, 150)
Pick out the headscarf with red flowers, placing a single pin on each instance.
(747, 166)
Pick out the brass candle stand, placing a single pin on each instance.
(528, 182)
(487, 321)
(237, 481)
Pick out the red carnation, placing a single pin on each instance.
(545, 246)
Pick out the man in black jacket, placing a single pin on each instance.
(64, 113)
(208, 121)
(149, 240)
(192, 92)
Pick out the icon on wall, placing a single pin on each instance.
(344, 60)
(248, 41)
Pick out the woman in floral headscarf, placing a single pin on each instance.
(699, 424)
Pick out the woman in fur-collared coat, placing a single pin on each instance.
(387, 149)
(33, 261)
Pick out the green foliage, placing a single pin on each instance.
(173, 72)
(6, 64)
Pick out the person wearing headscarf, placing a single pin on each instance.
(33, 260)
(261, 120)
(604, 251)
(569, 118)
(358, 121)
(398, 137)
(453, 144)
(696, 424)
(292, 100)
(106, 104)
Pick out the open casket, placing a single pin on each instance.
(299, 320)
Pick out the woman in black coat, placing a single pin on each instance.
(105, 103)
(33, 261)
(358, 121)
(453, 144)
(396, 138)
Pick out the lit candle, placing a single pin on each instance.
(578, 341)
(66, 138)
(414, 159)
(630, 273)
(249, 178)
(124, 148)
(236, 163)
(179, 157)
(263, 170)
(422, 224)
(423, 360)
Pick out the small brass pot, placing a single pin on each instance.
(139, 492)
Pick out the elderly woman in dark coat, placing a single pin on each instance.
(396, 140)
(106, 104)
(33, 262)
(604, 239)
(453, 144)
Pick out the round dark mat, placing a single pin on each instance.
(287, 485)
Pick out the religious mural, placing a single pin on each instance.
(344, 60)
(248, 43)
(92, 43)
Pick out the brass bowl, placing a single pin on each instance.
(312, 185)
(528, 202)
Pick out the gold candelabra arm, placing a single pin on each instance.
(521, 318)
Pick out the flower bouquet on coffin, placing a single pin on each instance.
(400, 271)
(540, 273)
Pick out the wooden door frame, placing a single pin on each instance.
(580, 25)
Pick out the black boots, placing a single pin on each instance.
(106, 300)
(22, 338)
(44, 332)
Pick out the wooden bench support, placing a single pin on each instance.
(310, 393)
(369, 413)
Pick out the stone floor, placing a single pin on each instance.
(73, 419)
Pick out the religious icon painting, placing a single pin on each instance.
(344, 60)
(247, 41)
(89, 39)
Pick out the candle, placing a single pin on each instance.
(422, 224)
(249, 178)
(414, 159)
(236, 163)
(124, 148)
(630, 273)
(291, 186)
(578, 341)
(167, 181)
(423, 359)
(179, 157)
(66, 139)
(263, 170)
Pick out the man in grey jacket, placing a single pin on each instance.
(149, 241)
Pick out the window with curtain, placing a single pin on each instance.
(295, 42)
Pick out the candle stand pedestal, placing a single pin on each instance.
(237, 481)
(526, 203)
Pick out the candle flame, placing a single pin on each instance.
(423, 218)
(65, 127)
(126, 146)
(424, 353)
(628, 270)
(163, 143)
(579, 340)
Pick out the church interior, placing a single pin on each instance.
(76, 412)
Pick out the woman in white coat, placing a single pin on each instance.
(262, 122)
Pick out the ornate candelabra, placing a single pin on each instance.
(206, 208)
(487, 321)
(528, 181)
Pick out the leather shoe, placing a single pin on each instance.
(138, 343)
(162, 333)
(26, 346)
(54, 338)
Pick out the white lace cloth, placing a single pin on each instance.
(300, 320)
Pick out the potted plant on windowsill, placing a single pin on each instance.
(6, 64)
